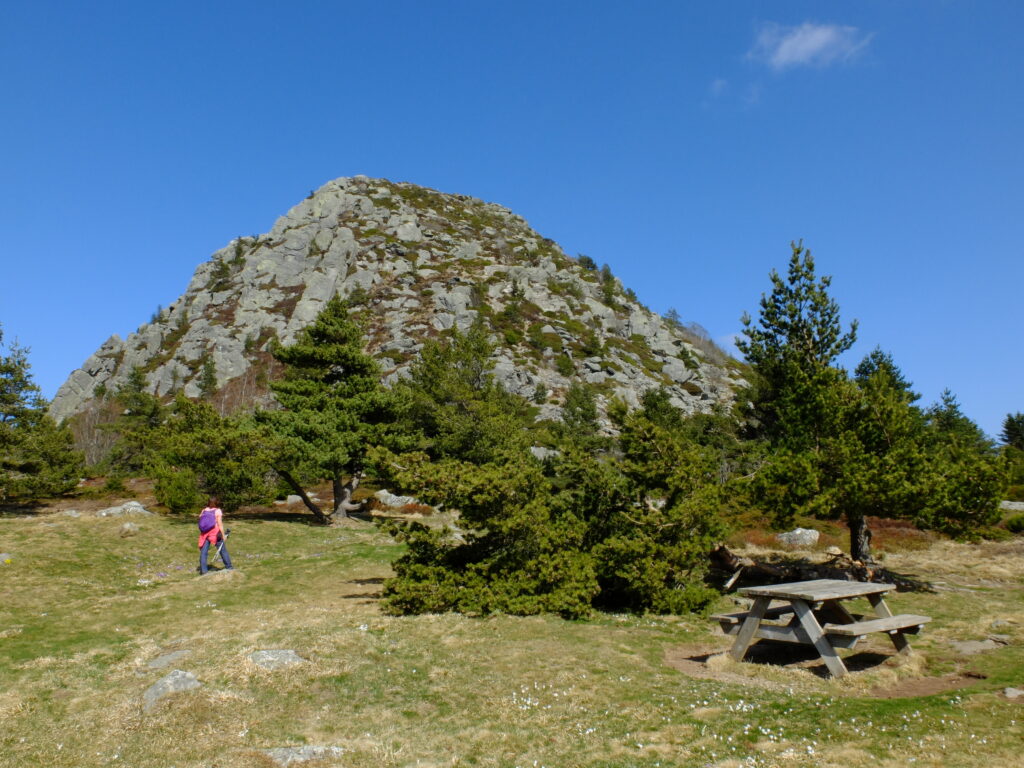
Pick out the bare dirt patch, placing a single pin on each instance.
(782, 667)
(925, 686)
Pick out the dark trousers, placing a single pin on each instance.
(205, 550)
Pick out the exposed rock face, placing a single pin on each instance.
(422, 262)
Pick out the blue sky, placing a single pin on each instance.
(683, 144)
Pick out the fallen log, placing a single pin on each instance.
(837, 566)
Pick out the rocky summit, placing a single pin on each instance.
(422, 262)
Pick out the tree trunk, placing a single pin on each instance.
(860, 539)
(343, 503)
(310, 505)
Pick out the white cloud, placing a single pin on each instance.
(807, 45)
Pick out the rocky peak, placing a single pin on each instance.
(422, 262)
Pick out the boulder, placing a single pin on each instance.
(389, 499)
(798, 538)
(128, 529)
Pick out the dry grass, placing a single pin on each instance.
(86, 612)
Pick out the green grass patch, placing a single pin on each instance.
(85, 613)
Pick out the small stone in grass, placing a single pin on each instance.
(175, 682)
(276, 659)
(285, 756)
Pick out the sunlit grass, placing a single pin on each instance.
(86, 611)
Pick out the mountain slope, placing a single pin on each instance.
(423, 262)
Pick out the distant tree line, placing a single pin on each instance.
(619, 516)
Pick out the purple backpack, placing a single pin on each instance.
(207, 520)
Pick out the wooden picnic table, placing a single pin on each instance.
(812, 613)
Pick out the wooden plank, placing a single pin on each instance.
(738, 617)
(818, 590)
(905, 621)
(834, 612)
(791, 633)
(746, 634)
(818, 640)
(899, 640)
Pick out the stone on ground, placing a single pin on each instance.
(167, 659)
(276, 659)
(799, 537)
(128, 508)
(176, 682)
(285, 756)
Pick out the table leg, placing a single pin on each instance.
(882, 611)
(821, 644)
(750, 624)
(834, 611)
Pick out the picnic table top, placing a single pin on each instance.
(818, 589)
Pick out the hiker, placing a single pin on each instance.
(211, 531)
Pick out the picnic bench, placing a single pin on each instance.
(812, 613)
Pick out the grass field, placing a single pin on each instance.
(85, 612)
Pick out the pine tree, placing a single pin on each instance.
(804, 404)
(579, 425)
(792, 350)
(37, 457)
(333, 408)
(203, 453)
(141, 414)
(856, 448)
(208, 379)
(456, 405)
(1013, 430)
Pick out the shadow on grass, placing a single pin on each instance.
(26, 509)
(805, 657)
(368, 596)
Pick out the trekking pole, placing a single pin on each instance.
(220, 545)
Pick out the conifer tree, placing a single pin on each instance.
(792, 349)
(455, 404)
(333, 408)
(203, 453)
(141, 414)
(579, 425)
(37, 457)
(1013, 430)
(856, 448)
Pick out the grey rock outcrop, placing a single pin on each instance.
(167, 659)
(176, 682)
(276, 659)
(128, 508)
(422, 263)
